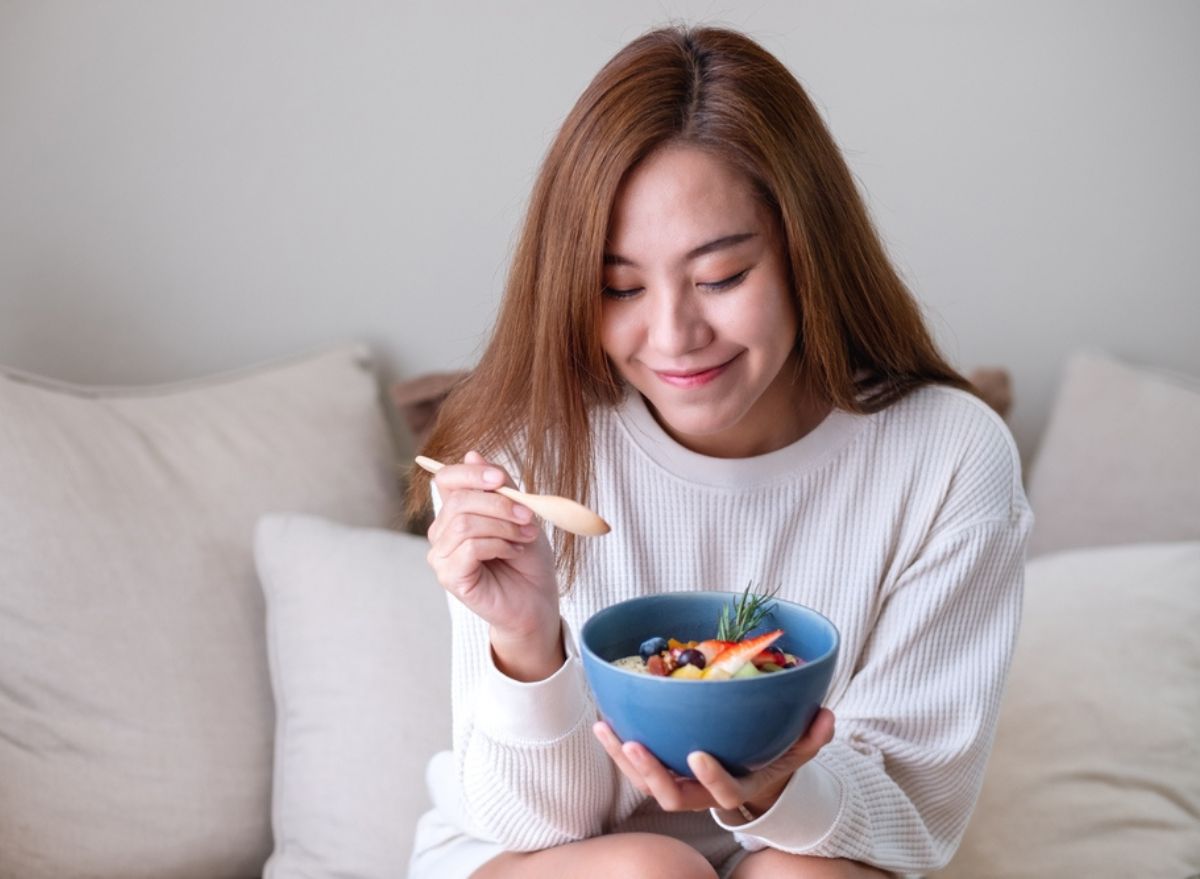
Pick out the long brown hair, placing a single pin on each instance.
(862, 339)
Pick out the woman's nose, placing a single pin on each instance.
(677, 324)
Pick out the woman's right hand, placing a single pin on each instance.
(489, 554)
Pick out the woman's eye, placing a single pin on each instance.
(615, 293)
(726, 283)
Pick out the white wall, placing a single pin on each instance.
(190, 186)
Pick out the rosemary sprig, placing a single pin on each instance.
(740, 618)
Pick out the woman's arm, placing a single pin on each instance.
(914, 727)
(530, 774)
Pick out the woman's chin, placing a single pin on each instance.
(701, 435)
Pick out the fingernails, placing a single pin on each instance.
(522, 514)
(492, 476)
(528, 531)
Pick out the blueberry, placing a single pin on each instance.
(651, 646)
(692, 657)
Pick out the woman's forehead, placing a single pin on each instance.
(681, 198)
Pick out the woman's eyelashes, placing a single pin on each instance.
(716, 286)
(726, 283)
(614, 293)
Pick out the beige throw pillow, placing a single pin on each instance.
(136, 717)
(1119, 460)
(1096, 767)
(359, 643)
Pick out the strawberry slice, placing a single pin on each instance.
(728, 661)
(713, 648)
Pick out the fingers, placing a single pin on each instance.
(673, 793)
(456, 568)
(763, 786)
(726, 790)
(467, 489)
(475, 525)
(473, 473)
(612, 746)
(649, 776)
(474, 515)
(819, 734)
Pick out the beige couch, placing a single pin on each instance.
(221, 660)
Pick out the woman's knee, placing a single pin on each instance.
(615, 856)
(774, 864)
(653, 855)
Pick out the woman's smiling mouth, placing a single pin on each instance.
(693, 378)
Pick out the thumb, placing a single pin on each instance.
(770, 781)
(818, 735)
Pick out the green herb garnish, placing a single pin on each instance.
(745, 614)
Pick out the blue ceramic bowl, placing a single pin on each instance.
(744, 722)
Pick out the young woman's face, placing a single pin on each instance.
(698, 315)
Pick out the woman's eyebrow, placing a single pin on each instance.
(615, 259)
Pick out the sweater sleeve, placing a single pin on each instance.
(898, 782)
(530, 772)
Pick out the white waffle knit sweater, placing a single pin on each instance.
(907, 528)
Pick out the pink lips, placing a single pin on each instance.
(692, 379)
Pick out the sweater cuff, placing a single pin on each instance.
(800, 819)
(512, 711)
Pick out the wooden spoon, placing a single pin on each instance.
(563, 512)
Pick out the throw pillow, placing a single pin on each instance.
(358, 639)
(1096, 766)
(1118, 461)
(136, 719)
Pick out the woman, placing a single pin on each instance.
(702, 338)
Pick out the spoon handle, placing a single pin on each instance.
(434, 466)
(428, 464)
(564, 513)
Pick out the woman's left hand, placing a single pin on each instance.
(713, 787)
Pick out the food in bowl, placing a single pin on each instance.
(709, 660)
(729, 655)
(744, 722)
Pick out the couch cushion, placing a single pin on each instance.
(136, 717)
(419, 399)
(1118, 463)
(359, 641)
(1096, 766)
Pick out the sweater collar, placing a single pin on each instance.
(814, 448)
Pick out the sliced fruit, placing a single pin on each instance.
(732, 658)
(713, 648)
(688, 673)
